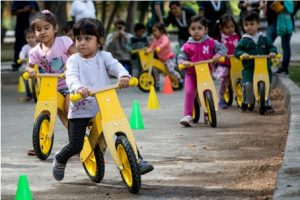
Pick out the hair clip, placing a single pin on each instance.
(46, 12)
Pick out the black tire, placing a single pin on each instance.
(94, 165)
(196, 111)
(128, 158)
(35, 89)
(41, 144)
(251, 105)
(144, 83)
(261, 98)
(239, 95)
(228, 95)
(211, 111)
(175, 83)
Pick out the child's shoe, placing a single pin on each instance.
(186, 121)
(145, 167)
(31, 152)
(58, 170)
(206, 118)
(243, 107)
(269, 109)
(222, 104)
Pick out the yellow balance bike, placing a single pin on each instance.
(110, 128)
(50, 103)
(206, 91)
(261, 82)
(34, 84)
(146, 77)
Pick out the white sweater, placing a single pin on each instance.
(92, 73)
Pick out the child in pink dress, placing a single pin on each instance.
(162, 45)
(199, 47)
(229, 35)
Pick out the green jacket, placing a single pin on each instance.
(264, 46)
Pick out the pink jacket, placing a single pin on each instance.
(230, 42)
(163, 42)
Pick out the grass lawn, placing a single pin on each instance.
(294, 72)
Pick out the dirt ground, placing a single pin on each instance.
(255, 176)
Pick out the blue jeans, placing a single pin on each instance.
(285, 44)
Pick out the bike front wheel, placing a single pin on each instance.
(130, 172)
(146, 81)
(210, 106)
(261, 97)
(228, 95)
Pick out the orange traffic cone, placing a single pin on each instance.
(168, 86)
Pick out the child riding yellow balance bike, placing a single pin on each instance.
(34, 84)
(110, 123)
(50, 103)
(146, 77)
(261, 81)
(206, 91)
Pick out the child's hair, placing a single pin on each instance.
(69, 26)
(176, 3)
(250, 16)
(160, 27)
(45, 15)
(138, 26)
(223, 21)
(28, 31)
(198, 18)
(89, 26)
(120, 22)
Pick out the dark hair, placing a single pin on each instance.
(69, 26)
(198, 18)
(250, 16)
(89, 26)
(28, 30)
(223, 21)
(138, 26)
(160, 27)
(176, 3)
(45, 15)
(120, 22)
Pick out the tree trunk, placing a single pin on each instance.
(112, 16)
(143, 5)
(59, 9)
(104, 4)
(130, 16)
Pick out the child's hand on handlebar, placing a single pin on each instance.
(216, 57)
(186, 63)
(32, 73)
(124, 82)
(272, 55)
(84, 92)
(149, 51)
(244, 56)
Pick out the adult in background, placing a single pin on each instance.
(83, 9)
(212, 10)
(179, 16)
(157, 14)
(280, 23)
(23, 10)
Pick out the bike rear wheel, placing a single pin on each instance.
(196, 111)
(228, 95)
(239, 93)
(261, 97)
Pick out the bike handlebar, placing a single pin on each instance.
(38, 75)
(278, 56)
(181, 66)
(76, 97)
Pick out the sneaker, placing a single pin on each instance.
(222, 104)
(206, 118)
(282, 71)
(243, 108)
(145, 167)
(58, 170)
(269, 109)
(31, 152)
(186, 121)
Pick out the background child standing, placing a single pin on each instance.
(253, 43)
(229, 35)
(87, 70)
(161, 44)
(199, 47)
(51, 53)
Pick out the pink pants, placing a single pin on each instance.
(190, 85)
